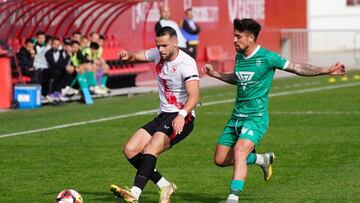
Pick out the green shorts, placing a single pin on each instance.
(252, 129)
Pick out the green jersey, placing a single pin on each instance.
(254, 75)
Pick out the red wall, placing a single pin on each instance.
(214, 17)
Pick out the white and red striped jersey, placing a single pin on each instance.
(171, 78)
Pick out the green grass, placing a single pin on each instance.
(318, 154)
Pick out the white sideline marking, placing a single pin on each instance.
(155, 110)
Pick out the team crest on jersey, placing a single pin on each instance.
(173, 69)
(245, 78)
(258, 62)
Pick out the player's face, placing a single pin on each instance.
(75, 48)
(76, 37)
(189, 14)
(41, 39)
(167, 47)
(84, 43)
(165, 13)
(68, 48)
(29, 47)
(95, 38)
(55, 44)
(242, 41)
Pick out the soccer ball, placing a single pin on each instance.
(69, 196)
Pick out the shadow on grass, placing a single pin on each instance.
(150, 197)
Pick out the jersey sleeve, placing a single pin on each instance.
(152, 54)
(276, 61)
(190, 72)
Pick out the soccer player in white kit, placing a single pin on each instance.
(178, 83)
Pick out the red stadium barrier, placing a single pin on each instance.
(5, 83)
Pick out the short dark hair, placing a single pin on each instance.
(93, 33)
(40, 33)
(55, 39)
(75, 42)
(102, 37)
(76, 33)
(29, 40)
(94, 45)
(188, 9)
(67, 41)
(247, 25)
(166, 31)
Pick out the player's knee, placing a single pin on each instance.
(240, 153)
(151, 148)
(130, 150)
(219, 161)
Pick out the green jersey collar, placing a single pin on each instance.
(252, 54)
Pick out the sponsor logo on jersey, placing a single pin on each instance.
(245, 77)
(258, 62)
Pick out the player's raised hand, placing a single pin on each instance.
(208, 69)
(124, 55)
(337, 69)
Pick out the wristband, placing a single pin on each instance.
(183, 113)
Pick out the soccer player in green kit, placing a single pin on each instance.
(253, 74)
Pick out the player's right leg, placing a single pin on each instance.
(136, 143)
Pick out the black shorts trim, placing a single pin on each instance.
(163, 123)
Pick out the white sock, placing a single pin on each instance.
(234, 197)
(260, 160)
(162, 183)
(136, 191)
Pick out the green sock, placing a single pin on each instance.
(90, 77)
(236, 187)
(104, 79)
(81, 78)
(251, 158)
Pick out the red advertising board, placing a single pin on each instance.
(135, 28)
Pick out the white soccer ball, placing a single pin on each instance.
(69, 196)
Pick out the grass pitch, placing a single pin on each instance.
(314, 132)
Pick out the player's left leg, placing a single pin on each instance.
(251, 132)
(159, 143)
(242, 150)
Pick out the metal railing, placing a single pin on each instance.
(321, 47)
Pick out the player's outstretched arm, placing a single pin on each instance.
(226, 77)
(128, 56)
(192, 88)
(310, 70)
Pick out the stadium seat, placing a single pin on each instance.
(215, 56)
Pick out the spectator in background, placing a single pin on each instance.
(93, 53)
(69, 75)
(190, 30)
(76, 36)
(94, 37)
(100, 67)
(41, 74)
(101, 40)
(84, 48)
(57, 62)
(166, 21)
(25, 57)
(84, 70)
